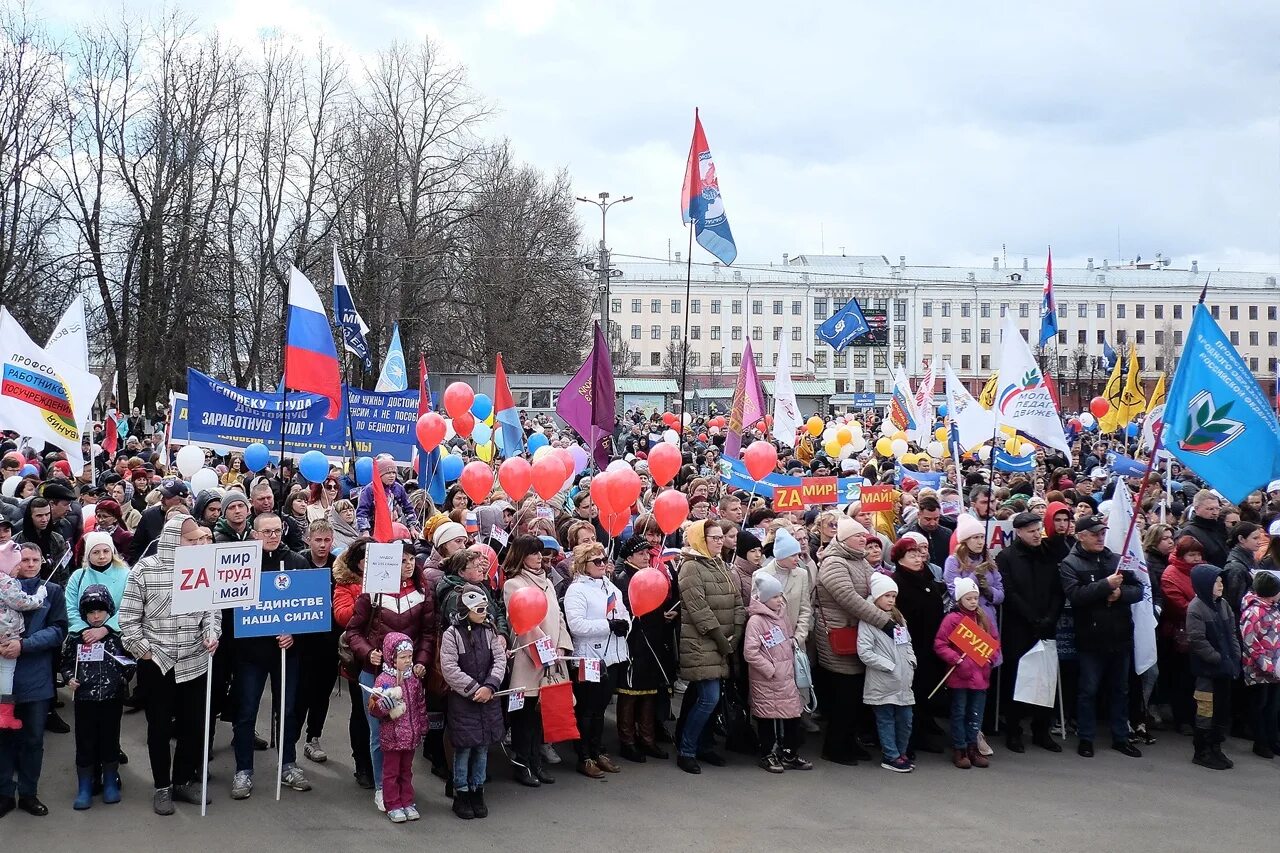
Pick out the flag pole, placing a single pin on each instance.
(684, 338)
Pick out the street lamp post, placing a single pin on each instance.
(603, 271)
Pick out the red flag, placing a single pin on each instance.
(111, 435)
(556, 703)
(381, 511)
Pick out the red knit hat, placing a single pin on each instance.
(903, 545)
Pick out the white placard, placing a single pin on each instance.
(382, 567)
(515, 701)
(90, 652)
(211, 577)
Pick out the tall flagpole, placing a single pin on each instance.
(684, 347)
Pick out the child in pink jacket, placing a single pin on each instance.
(769, 649)
(968, 680)
(399, 702)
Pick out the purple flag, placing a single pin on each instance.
(588, 403)
(748, 404)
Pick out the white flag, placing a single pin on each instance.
(1023, 400)
(70, 339)
(787, 419)
(924, 404)
(1132, 559)
(974, 424)
(42, 396)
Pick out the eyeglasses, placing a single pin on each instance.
(272, 531)
(598, 561)
(717, 537)
(330, 487)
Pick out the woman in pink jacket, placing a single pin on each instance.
(967, 680)
(769, 649)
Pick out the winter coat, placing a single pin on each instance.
(14, 601)
(652, 641)
(1237, 577)
(797, 592)
(989, 599)
(968, 673)
(397, 502)
(264, 651)
(99, 680)
(891, 666)
(742, 570)
(45, 628)
(587, 613)
(473, 656)
(147, 533)
(1212, 536)
(1033, 597)
(1156, 565)
(711, 616)
(774, 695)
(347, 583)
(1175, 583)
(56, 563)
(448, 592)
(921, 603)
(409, 612)
(114, 577)
(407, 730)
(939, 539)
(844, 582)
(527, 675)
(1211, 629)
(1260, 640)
(1101, 625)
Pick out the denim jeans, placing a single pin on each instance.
(966, 716)
(704, 695)
(375, 730)
(22, 751)
(1096, 667)
(893, 722)
(470, 764)
(251, 679)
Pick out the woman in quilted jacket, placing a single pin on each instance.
(1260, 645)
(769, 650)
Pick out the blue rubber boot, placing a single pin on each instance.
(111, 783)
(84, 796)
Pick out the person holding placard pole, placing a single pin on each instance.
(174, 653)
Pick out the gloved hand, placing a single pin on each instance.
(890, 627)
(618, 627)
(386, 703)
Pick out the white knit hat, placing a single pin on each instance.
(966, 526)
(880, 584)
(447, 532)
(964, 586)
(847, 527)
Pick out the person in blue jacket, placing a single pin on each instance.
(22, 751)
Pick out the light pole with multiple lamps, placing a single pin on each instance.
(603, 270)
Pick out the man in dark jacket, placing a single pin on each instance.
(1207, 529)
(928, 524)
(67, 520)
(318, 652)
(173, 492)
(208, 509)
(1033, 601)
(1100, 595)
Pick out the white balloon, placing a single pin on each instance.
(203, 480)
(846, 452)
(686, 419)
(671, 437)
(858, 444)
(1088, 419)
(189, 460)
(1027, 449)
(900, 448)
(935, 449)
(828, 434)
(617, 465)
(887, 427)
(448, 429)
(984, 453)
(714, 430)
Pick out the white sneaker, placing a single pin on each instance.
(377, 800)
(313, 752)
(397, 816)
(549, 754)
(411, 812)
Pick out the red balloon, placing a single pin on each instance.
(476, 480)
(526, 609)
(616, 522)
(463, 424)
(1075, 424)
(670, 509)
(624, 488)
(566, 459)
(1099, 406)
(664, 463)
(547, 476)
(515, 475)
(399, 531)
(670, 419)
(647, 591)
(702, 436)
(760, 458)
(600, 494)
(458, 398)
(431, 429)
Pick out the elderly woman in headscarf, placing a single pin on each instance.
(173, 654)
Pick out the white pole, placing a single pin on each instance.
(280, 737)
(208, 702)
(1062, 704)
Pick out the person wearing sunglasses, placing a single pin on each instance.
(599, 622)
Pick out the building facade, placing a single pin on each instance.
(952, 313)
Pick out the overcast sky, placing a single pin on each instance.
(939, 131)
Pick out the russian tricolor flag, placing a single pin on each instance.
(310, 358)
(505, 416)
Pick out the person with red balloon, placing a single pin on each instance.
(654, 610)
(533, 615)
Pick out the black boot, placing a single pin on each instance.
(525, 776)
(462, 805)
(57, 725)
(478, 807)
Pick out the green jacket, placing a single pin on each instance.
(712, 617)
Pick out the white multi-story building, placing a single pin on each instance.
(951, 313)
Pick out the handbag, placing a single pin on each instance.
(843, 641)
(804, 678)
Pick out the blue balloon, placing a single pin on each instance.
(942, 411)
(536, 441)
(1131, 430)
(314, 466)
(482, 407)
(481, 433)
(364, 470)
(451, 467)
(256, 456)
(30, 470)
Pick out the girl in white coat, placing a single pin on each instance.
(891, 664)
(598, 621)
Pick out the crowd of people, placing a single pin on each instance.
(822, 633)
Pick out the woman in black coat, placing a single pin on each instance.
(921, 600)
(652, 668)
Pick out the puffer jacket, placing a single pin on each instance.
(711, 613)
(586, 611)
(1237, 577)
(1102, 625)
(408, 729)
(1211, 533)
(1211, 629)
(473, 656)
(100, 679)
(774, 695)
(1260, 640)
(844, 582)
(891, 666)
(968, 673)
(525, 674)
(409, 612)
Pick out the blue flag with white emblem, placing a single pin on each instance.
(350, 324)
(844, 327)
(1217, 420)
(394, 377)
(1108, 355)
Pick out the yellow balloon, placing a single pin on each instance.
(844, 435)
(489, 421)
(940, 433)
(814, 426)
(1011, 444)
(909, 459)
(832, 448)
(885, 446)
(899, 436)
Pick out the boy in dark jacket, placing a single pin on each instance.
(1215, 662)
(97, 672)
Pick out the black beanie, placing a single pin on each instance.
(746, 542)
(1266, 584)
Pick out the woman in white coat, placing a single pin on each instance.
(599, 622)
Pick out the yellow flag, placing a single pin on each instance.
(987, 398)
(1157, 394)
(1110, 421)
(1132, 400)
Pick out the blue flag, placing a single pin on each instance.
(1217, 420)
(350, 323)
(844, 327)
(701, 202)
(1006, 461)
(1048, 306)
(1108, 355)
(394, 376)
